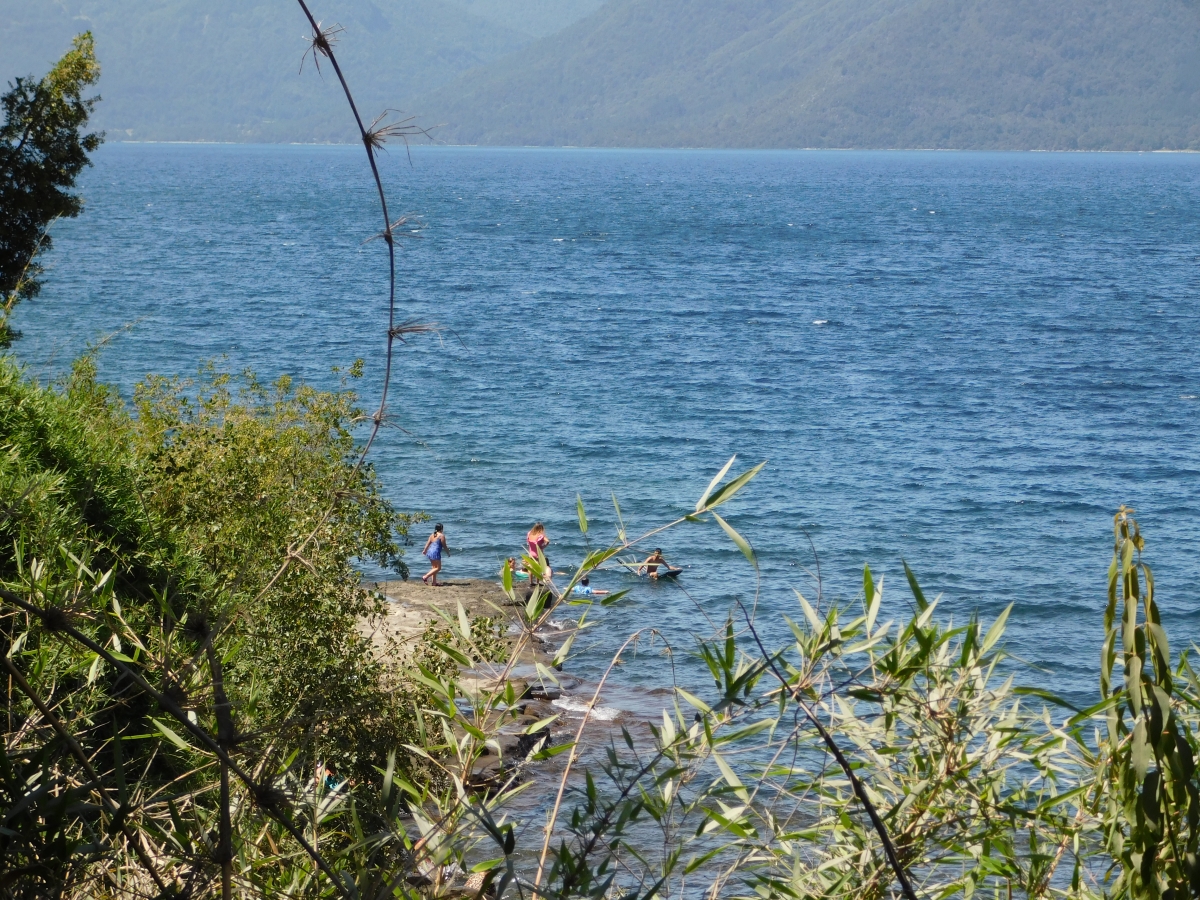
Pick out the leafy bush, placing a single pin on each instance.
(154, 576)
(42, 151)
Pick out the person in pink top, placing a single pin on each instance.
(536, 540)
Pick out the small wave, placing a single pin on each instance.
(603, 713)
(1187, 396)
(820, 321)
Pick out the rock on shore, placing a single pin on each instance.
(413, 605)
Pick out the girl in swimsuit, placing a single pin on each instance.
(435, 549)
(536, 540)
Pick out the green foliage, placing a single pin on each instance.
(171, 723)
(42, 151)
(442, 649)
(967, 74)
(1147, 789)
(180, 600)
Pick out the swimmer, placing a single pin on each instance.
(584, 589)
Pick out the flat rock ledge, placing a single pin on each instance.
(413, 605)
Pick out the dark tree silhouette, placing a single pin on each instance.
(43, 148)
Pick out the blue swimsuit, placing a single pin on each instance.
(434, 553)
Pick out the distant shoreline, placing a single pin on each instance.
(639, 149)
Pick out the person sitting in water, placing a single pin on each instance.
(652, 562)
(517, 568)
(584, 589)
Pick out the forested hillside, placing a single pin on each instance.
(1002, 74)
(533, 17)
(1010, 74)
(226, 70)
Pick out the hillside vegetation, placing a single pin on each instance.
(1012, 74)
(536, 18)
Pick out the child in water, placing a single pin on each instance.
(584, 589)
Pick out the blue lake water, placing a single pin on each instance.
(963, 360)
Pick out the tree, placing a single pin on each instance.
(43, 149)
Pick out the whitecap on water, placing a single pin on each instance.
(820, 321)
(603, 713)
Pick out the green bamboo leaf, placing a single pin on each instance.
(1049, 696)
(550, 752)
(560, 655)
(583, 522)
(996, 631)
(540, 724)
(865, 644)
(727, 492)
(1161, 646)
(388, 775)
(455, 654)
(917, 593)
(731, 777)
(172, 736)
(433, 684)
(668, 730)
(537, 602)
(731, 737)
(472, 730)
(1133, 683)
(464, 623)
(597, 558)
(181, 830)
(1059, 799)
(814, 620)
(1141, 754)
(927, 613)
(693, 700)
(741, 542)
(620, 521)
(614, 597)
(875, 600)
(697, 861)
(700, 504)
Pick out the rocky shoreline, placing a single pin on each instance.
(411, 606)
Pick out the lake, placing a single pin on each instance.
(965, 361)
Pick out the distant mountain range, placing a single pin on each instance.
(228, 70)
(979, 74)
